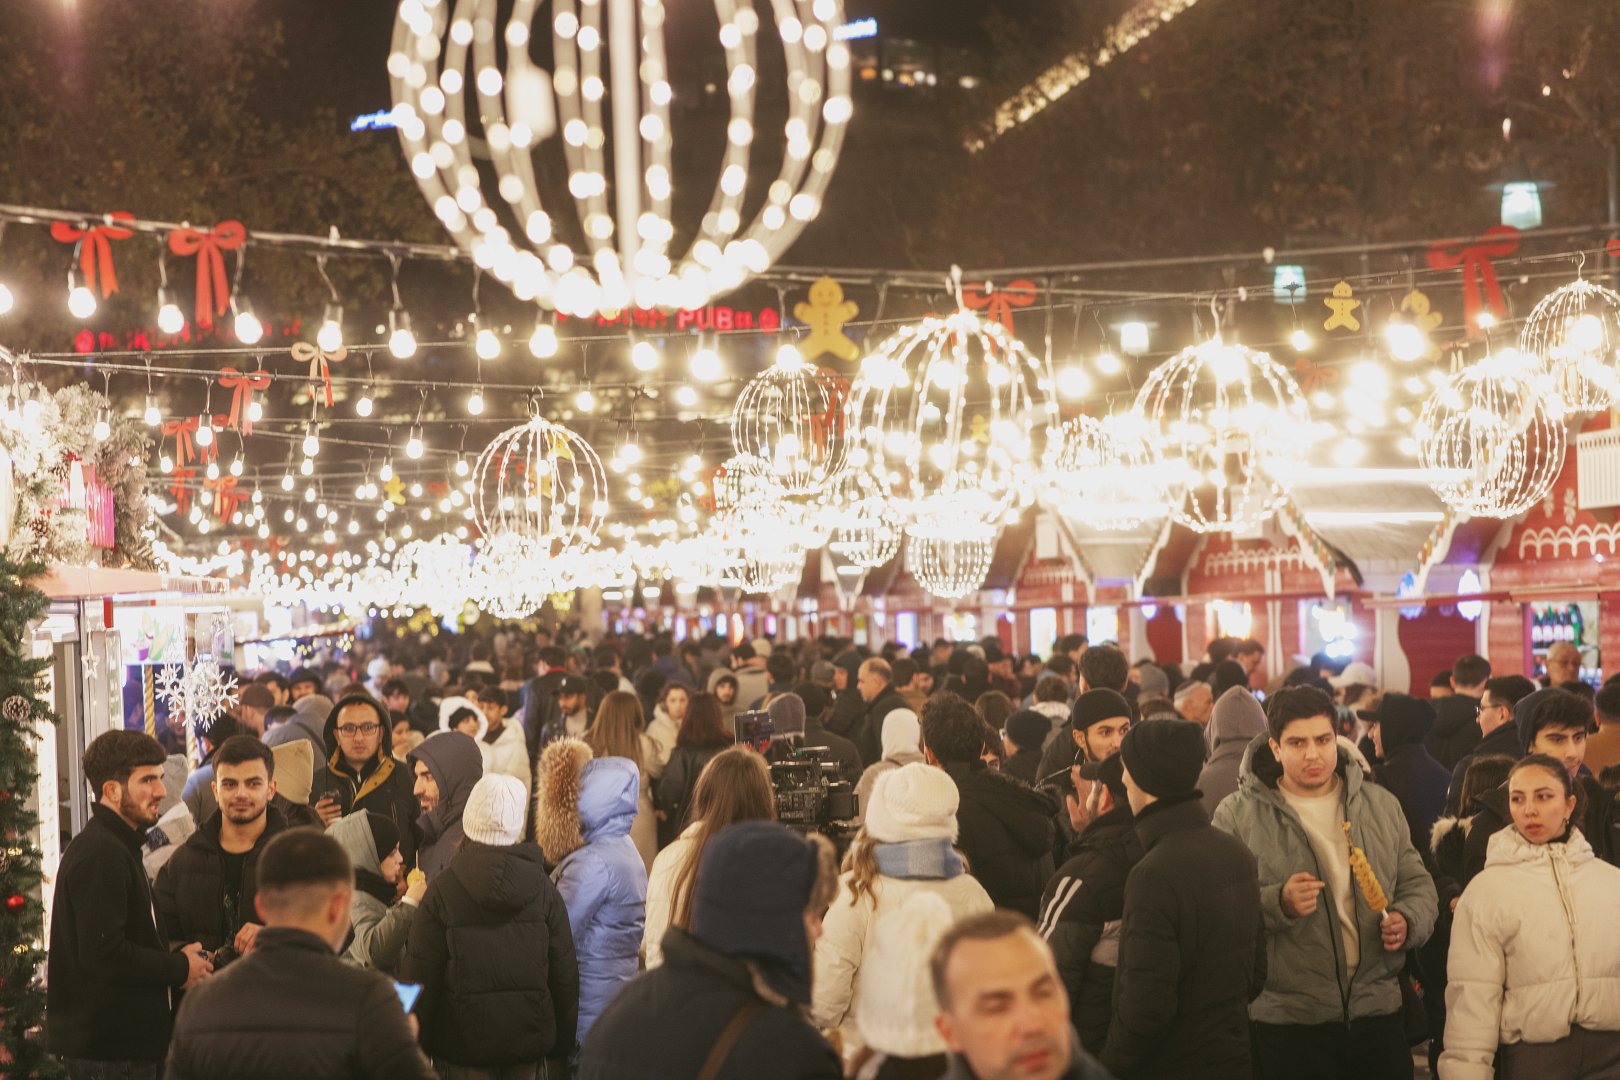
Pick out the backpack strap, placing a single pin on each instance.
(728, 1039)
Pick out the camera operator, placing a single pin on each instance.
(205, 891)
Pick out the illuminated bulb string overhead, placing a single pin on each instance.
(611, 84)
(1575, 334)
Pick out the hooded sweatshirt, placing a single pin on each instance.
(455, 763)
(382, 785)
(1235, 721)
(380, 927)
(583, 814)
(306, 722)
(1412, 776)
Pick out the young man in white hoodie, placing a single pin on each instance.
(503, 745)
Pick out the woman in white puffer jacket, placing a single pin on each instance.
(1534, 967)
(905, 846)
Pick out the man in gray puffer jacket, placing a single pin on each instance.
(1331, 1008)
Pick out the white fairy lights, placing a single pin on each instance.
(543, 482)
(949, 569)
(1101, 473)
(609, 57)
(1575, 333)
(1223, 421)
(791, 417)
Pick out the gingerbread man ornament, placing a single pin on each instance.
(825, 314)
(1343, 308)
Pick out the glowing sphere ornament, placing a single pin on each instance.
(945, 412)
(1223, 422)
(1575, 333)
(471, 85)
(950, 569)
(791, 417)
(542, 482)
(863, 524)
(436, 574)
(1494, 437)
(1101, 474)
(510, 576)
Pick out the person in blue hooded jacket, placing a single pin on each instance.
(584, 808)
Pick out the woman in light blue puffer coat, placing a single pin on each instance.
(583, 812)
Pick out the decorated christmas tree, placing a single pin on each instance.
(22, 998)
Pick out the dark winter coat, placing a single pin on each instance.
(672, 791)
(542, 718)
(291, 1010)
(1418, 782)
(384, 786)
(1455, 731)
(456, 764)
(1024, 765)
(1080, 918)
(491, 948)
(109, 971)
(1082, 1066)
(869, 741)
(190, 889)
(1005, 830)
(1192, 951)
(848, 714)
(664, 1023)
(844, 751)
(1504, 740)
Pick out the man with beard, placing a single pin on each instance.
(108, 973)
(361, 772)
(205, 891)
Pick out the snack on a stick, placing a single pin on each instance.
(1365, 878)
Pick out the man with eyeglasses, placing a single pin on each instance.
(1496, 725)
(361, 773)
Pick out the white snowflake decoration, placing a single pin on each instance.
(199, 694)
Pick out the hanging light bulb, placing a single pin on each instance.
(1300, 340)
(1406, 341)
(644, 356)
(401, 339)
(153, 416)
(103, 429)
(330, 335)
(706, 366)
(81, 301)
(542, 343)
(413, 445)
(213, 470)
(236, 465)
(462, 468)
(205, 431)
(312, 440)
(255, 411)
(166, 463)
(306, 467)
(685, 396)
(170, 319)
(386, 473)
(286, 482)
(363, 404)
(487, 344)
(585, 401)
(249, 330)
(475, 403)
(7, 300)
(630, 453)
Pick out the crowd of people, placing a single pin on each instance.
(526, 856)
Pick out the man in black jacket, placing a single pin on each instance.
(491, 948)
(109, 973)
(875, 682)
(205, 891)
(1404, 766)
(292, 1008)
(1501, 698)
(1101, 668)
(1192, 950)
(361, 773)
(1005, 828)
(731, 991)
(1083, 904)
(1456, 729)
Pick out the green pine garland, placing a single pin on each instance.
(22, 998)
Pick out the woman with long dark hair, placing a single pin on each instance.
(734, 786)
(1534, 970)
(702, 735)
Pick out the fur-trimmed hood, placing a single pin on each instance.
(582, 799)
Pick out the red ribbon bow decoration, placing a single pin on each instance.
(181, 489)
(1314, 377)
(95, 254)
(320, 364)
(1479, 275)
(242, 387)
(226, 497)
(1000, 302)
(828, 425)
(213, 291)
(184, 449)
(1613, 249)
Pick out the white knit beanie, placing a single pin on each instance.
(913, 802)
(495, 809)
(896, 1010)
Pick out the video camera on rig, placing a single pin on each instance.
(810, 796)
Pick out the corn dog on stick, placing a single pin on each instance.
(1365, 878)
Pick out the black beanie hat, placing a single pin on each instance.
(1164, 757)
(1095, 706)
(1028, 729)
(384, 833)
